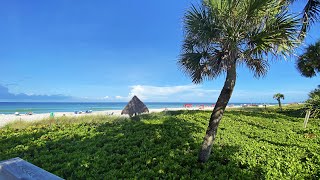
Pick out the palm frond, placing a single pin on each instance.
(198, 68)
(259, 67)
(278, 96)
(255, 7)
(311, 14)
(200, 27)
(277, 35)
(309, 62)
(219, 5)
(200, 57)
(305, 67)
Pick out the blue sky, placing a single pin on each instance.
(109, 50)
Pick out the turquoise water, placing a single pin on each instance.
(46, 107)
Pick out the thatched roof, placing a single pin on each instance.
(135, 106)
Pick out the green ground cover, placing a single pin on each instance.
(251, 144)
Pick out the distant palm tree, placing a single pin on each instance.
(309, 63)
(223, 34)
(278, 97)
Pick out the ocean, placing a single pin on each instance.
(47, 107)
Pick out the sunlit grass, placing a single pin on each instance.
(20, 124)
(251, 144)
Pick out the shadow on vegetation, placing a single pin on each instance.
(272, 116)
(191, 112)
(296, 113)
(153, 146)
(258, 138)
(256, 125)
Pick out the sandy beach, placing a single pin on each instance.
(8, 118)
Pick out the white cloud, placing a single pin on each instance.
(120, 97)
(171, 93)
(197, 93)
(106, 97)
(112, 98)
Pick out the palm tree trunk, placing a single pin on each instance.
(279, 104)
(217, 114)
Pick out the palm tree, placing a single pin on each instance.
(278, 97)
(309, 63)
(223, 34)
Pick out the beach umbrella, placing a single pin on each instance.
(134, 107)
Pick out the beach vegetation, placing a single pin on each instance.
(253, 143)
(313, 103)
(222, 35)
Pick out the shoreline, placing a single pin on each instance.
(9, 118)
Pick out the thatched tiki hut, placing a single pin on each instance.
(134, 107)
